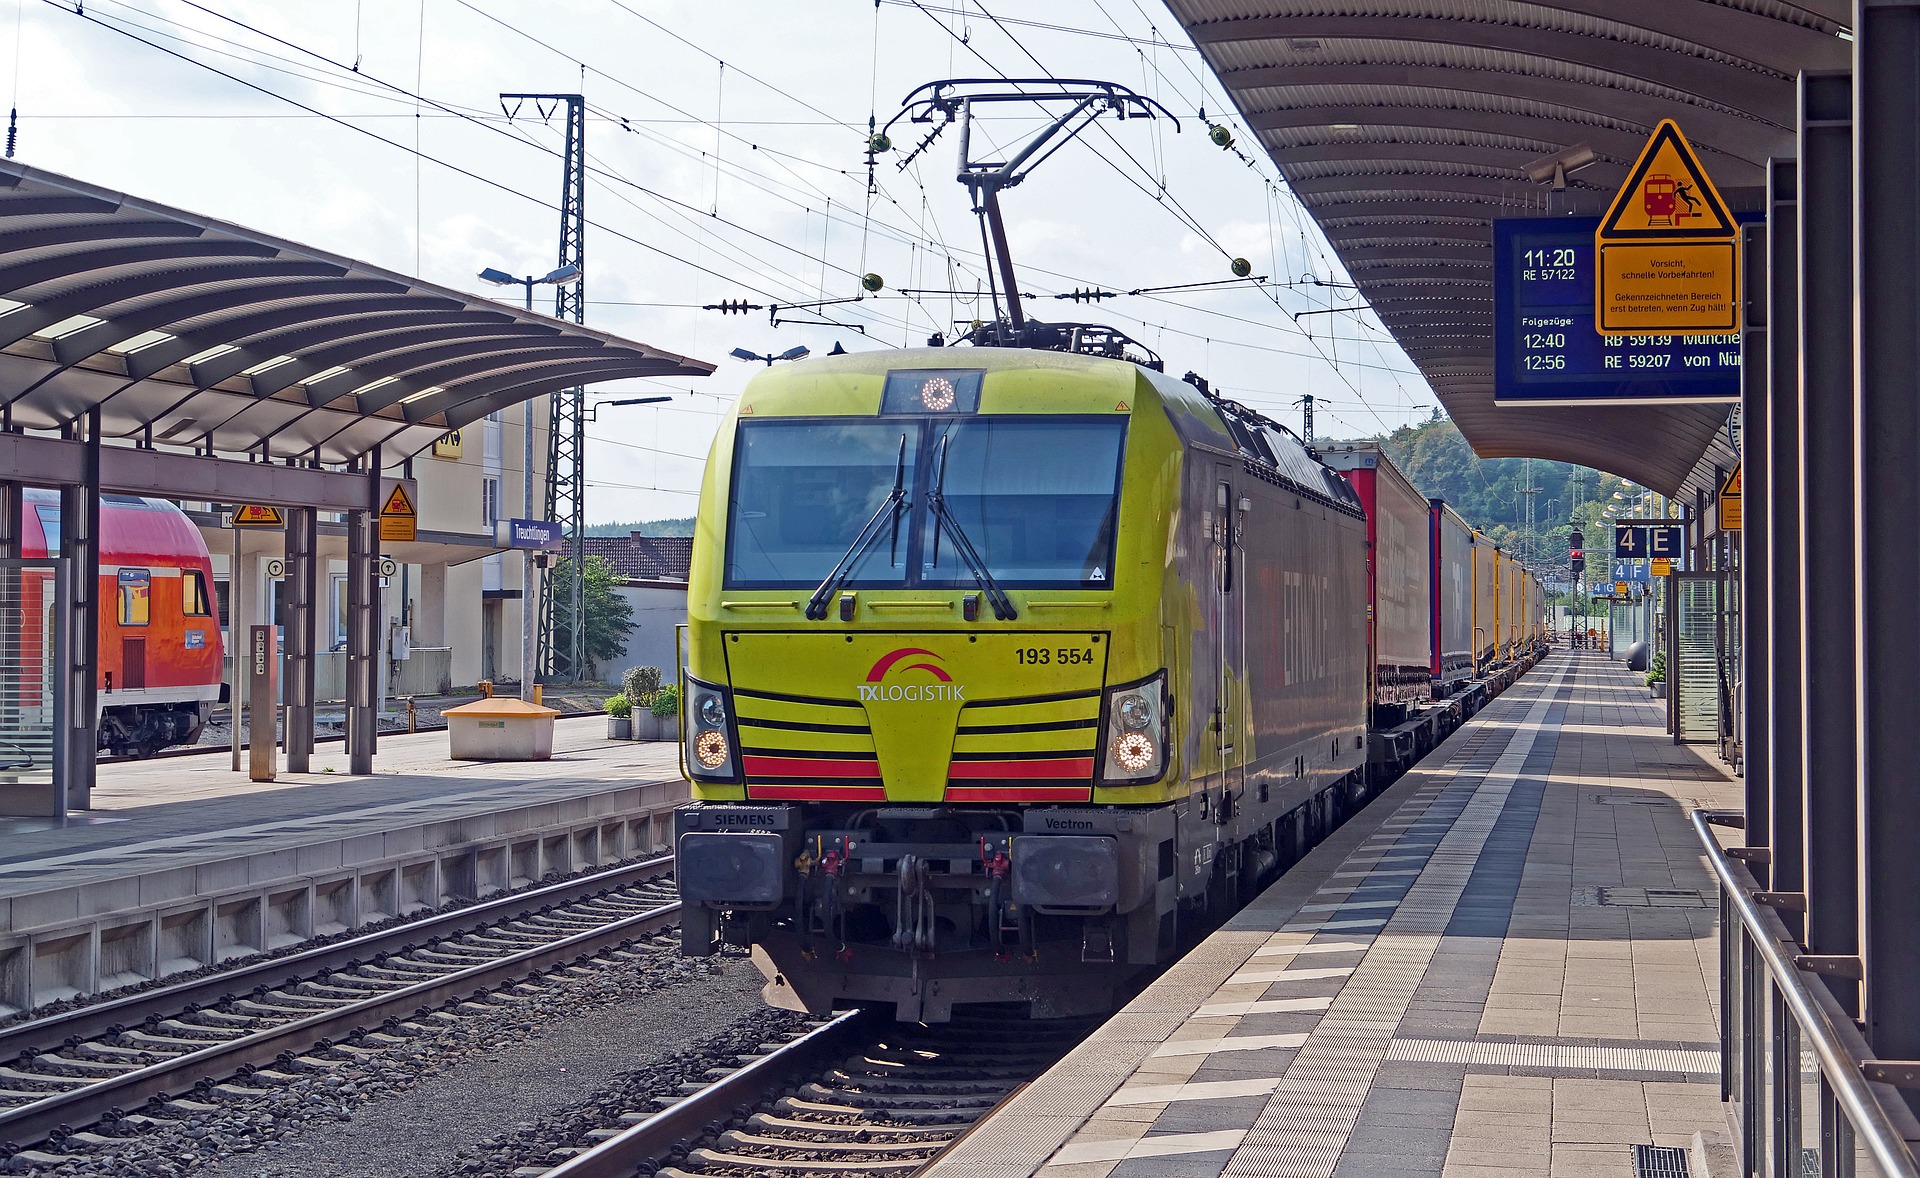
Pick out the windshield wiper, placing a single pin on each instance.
(896, 502)
(937, 503)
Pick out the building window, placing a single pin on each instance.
(194, 601)
(339, 611)
(489, 501)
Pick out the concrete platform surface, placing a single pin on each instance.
(172, 811)
(1506, 965)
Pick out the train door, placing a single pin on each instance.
(1232, 709)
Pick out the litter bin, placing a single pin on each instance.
(495, 729)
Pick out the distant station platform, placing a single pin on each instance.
(1507, 964)
(181, 861)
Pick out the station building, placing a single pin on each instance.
(450, 616)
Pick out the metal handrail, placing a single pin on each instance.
(1813, 1007)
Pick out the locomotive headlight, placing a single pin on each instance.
(937, 394)
(1135, 733)
(710, 748)
(1135, 751)
(709, 733)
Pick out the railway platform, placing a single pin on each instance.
(182, 862)
(1507, 964)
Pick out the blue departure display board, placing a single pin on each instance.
(1545, 348)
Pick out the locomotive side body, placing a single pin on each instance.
(159, 664)
(922, 786)
(1450, 584)
(1399, 614)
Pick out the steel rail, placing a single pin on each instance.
(1838, 1045)
(100, 1018)
(621, 1156)
(81, 1106)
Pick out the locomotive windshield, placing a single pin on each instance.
(802, 490)
(1035, 496)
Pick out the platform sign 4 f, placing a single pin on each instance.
(1667, 258)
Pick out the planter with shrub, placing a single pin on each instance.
(619, 717)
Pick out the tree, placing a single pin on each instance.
(609, 615)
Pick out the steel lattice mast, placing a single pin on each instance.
(565, 598)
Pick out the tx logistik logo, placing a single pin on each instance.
(875, 689)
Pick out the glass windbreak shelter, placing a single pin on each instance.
(33, 694)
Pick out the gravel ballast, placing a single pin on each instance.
(458, 1079)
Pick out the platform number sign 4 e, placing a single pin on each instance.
(1629, 542)
(1643, 541)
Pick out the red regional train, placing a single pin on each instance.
(159, 667)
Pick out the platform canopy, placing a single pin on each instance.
(190, 332)
(1406, 128)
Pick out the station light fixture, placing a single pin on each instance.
(1556, 168)
(560, 277)
(797, 352)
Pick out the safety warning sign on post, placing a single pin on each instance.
(1666, 255)
(1730, 501)
(256, 515)
(399, 519)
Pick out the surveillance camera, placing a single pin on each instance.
(1556, 168)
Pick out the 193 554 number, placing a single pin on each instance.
(1040, 656)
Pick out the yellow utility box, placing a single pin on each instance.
(495, 729)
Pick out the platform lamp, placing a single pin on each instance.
(529, 620)
(1553, 171)
(797, 352)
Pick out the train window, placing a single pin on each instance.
(49, 514)
(136, 597)
(1036, 496)
(803, 492)
(194, 601)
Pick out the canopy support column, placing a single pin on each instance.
(363, 593)
(80, 542)
(1782, 523)
(1756, 662)
(1887, 295)
(1827, 519)
(301, 587)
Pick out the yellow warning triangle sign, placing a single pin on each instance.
(397, 502)
(1731, 488)
(1667, 195)
(255, 515)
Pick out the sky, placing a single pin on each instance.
(726, 145)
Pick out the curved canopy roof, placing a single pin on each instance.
(193, 332)
(1405, 127)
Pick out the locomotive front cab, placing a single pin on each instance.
(924, 657)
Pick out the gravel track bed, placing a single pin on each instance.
(531, 1144)
(409, 1107)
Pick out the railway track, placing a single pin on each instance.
(858, 1094)
(68, 1071)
